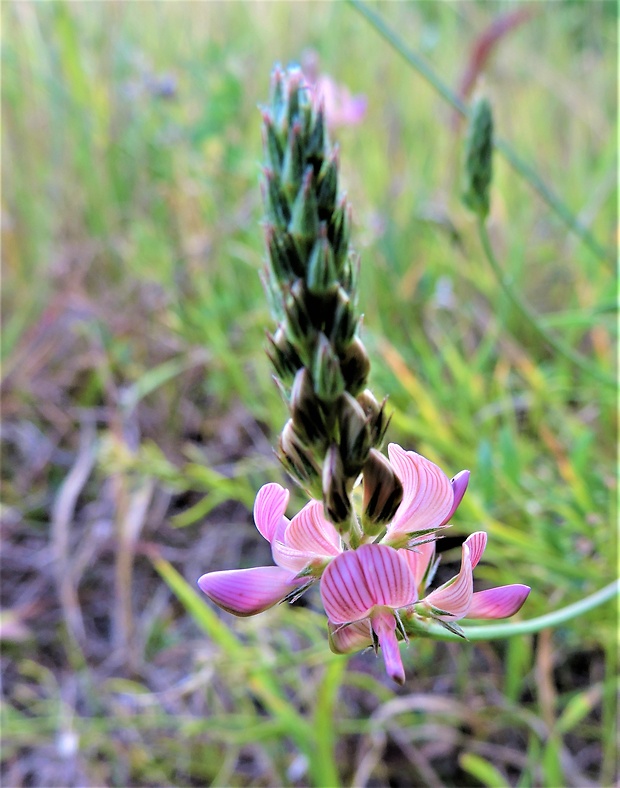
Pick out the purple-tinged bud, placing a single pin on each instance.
(354, 435)
(383, 493)
(350, 274)
(328, 380)
(299, 461)
(355, 366)
(280, 264)
(375, 413)
(278, 101)
(335, 497)
(295, 85)
(306, 411)
(304, 223)
(321, 278)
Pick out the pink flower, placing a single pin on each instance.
(453, 601)
(429, 497)
(341, 108)
(300, 548)
(362, 591)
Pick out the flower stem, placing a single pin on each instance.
(549, 620)
(525, 170)
(555, 343)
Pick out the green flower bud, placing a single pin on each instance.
(278, 210)
(328, 380)
(383, 493)
(354, 435)
(304, 223)
(321, 274)
(335, 497)
(479, 159)
(345, 321)
(271, 143)
(328, 185)
(283, 356)
(338, 233)
(294, 164)
(306, 411)
(299, 325)
(299, 461)
(355, 366)
(375, 413)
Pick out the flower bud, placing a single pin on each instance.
(317, 139)
(328, 184)
(338, 233)
(278, 210)
(304, 223)
(293, 166)
(349, 276)
(299, 461)
(321, 277)
(354, 435)
(375, 413)
(271, 143)
(306, 411)
(335, 497)
(328, 379)
(345, 321)
(283, 356)
(479, 159)
(299, 326)
(355, 366)
(383, 493)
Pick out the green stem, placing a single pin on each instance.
(530, 316)
(498, 631)
(520, 166)
(323, 767)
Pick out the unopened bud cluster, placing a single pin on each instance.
(336, 425)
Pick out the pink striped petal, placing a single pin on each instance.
(454, 596)
(477, 543)
(347, 638)
(245, 592)
(427, 493)
(290, 558)
(419, 558)
(459, 485)
(358, 580)
(269, 507)
(384, 624)
(500, 602)
(309, 532)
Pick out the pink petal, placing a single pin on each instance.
(454, 596)
(477, 543)
(290, 558)
(419, 559)
(499, 602)
(269, 507)
(358, 580)
(384, 625)
(427, 492)
(459, 485)
(245, 592)
(347, 638)
(310, 533)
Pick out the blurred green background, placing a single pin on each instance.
(138, 412)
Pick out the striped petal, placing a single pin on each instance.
(477, 543)
(500, 602)
(459, 485)
(358, 580)
(427, 493)
(384, 624)
(245, 592)
(419, 558)
(347, 638)
(269, 507)
(454, 597)
(309, 532)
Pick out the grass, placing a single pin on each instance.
(138, 413)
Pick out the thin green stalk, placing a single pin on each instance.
(325, 770)
(499, 631)
(527, 313)
(525, 170)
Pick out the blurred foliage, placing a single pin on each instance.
(137, 398)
